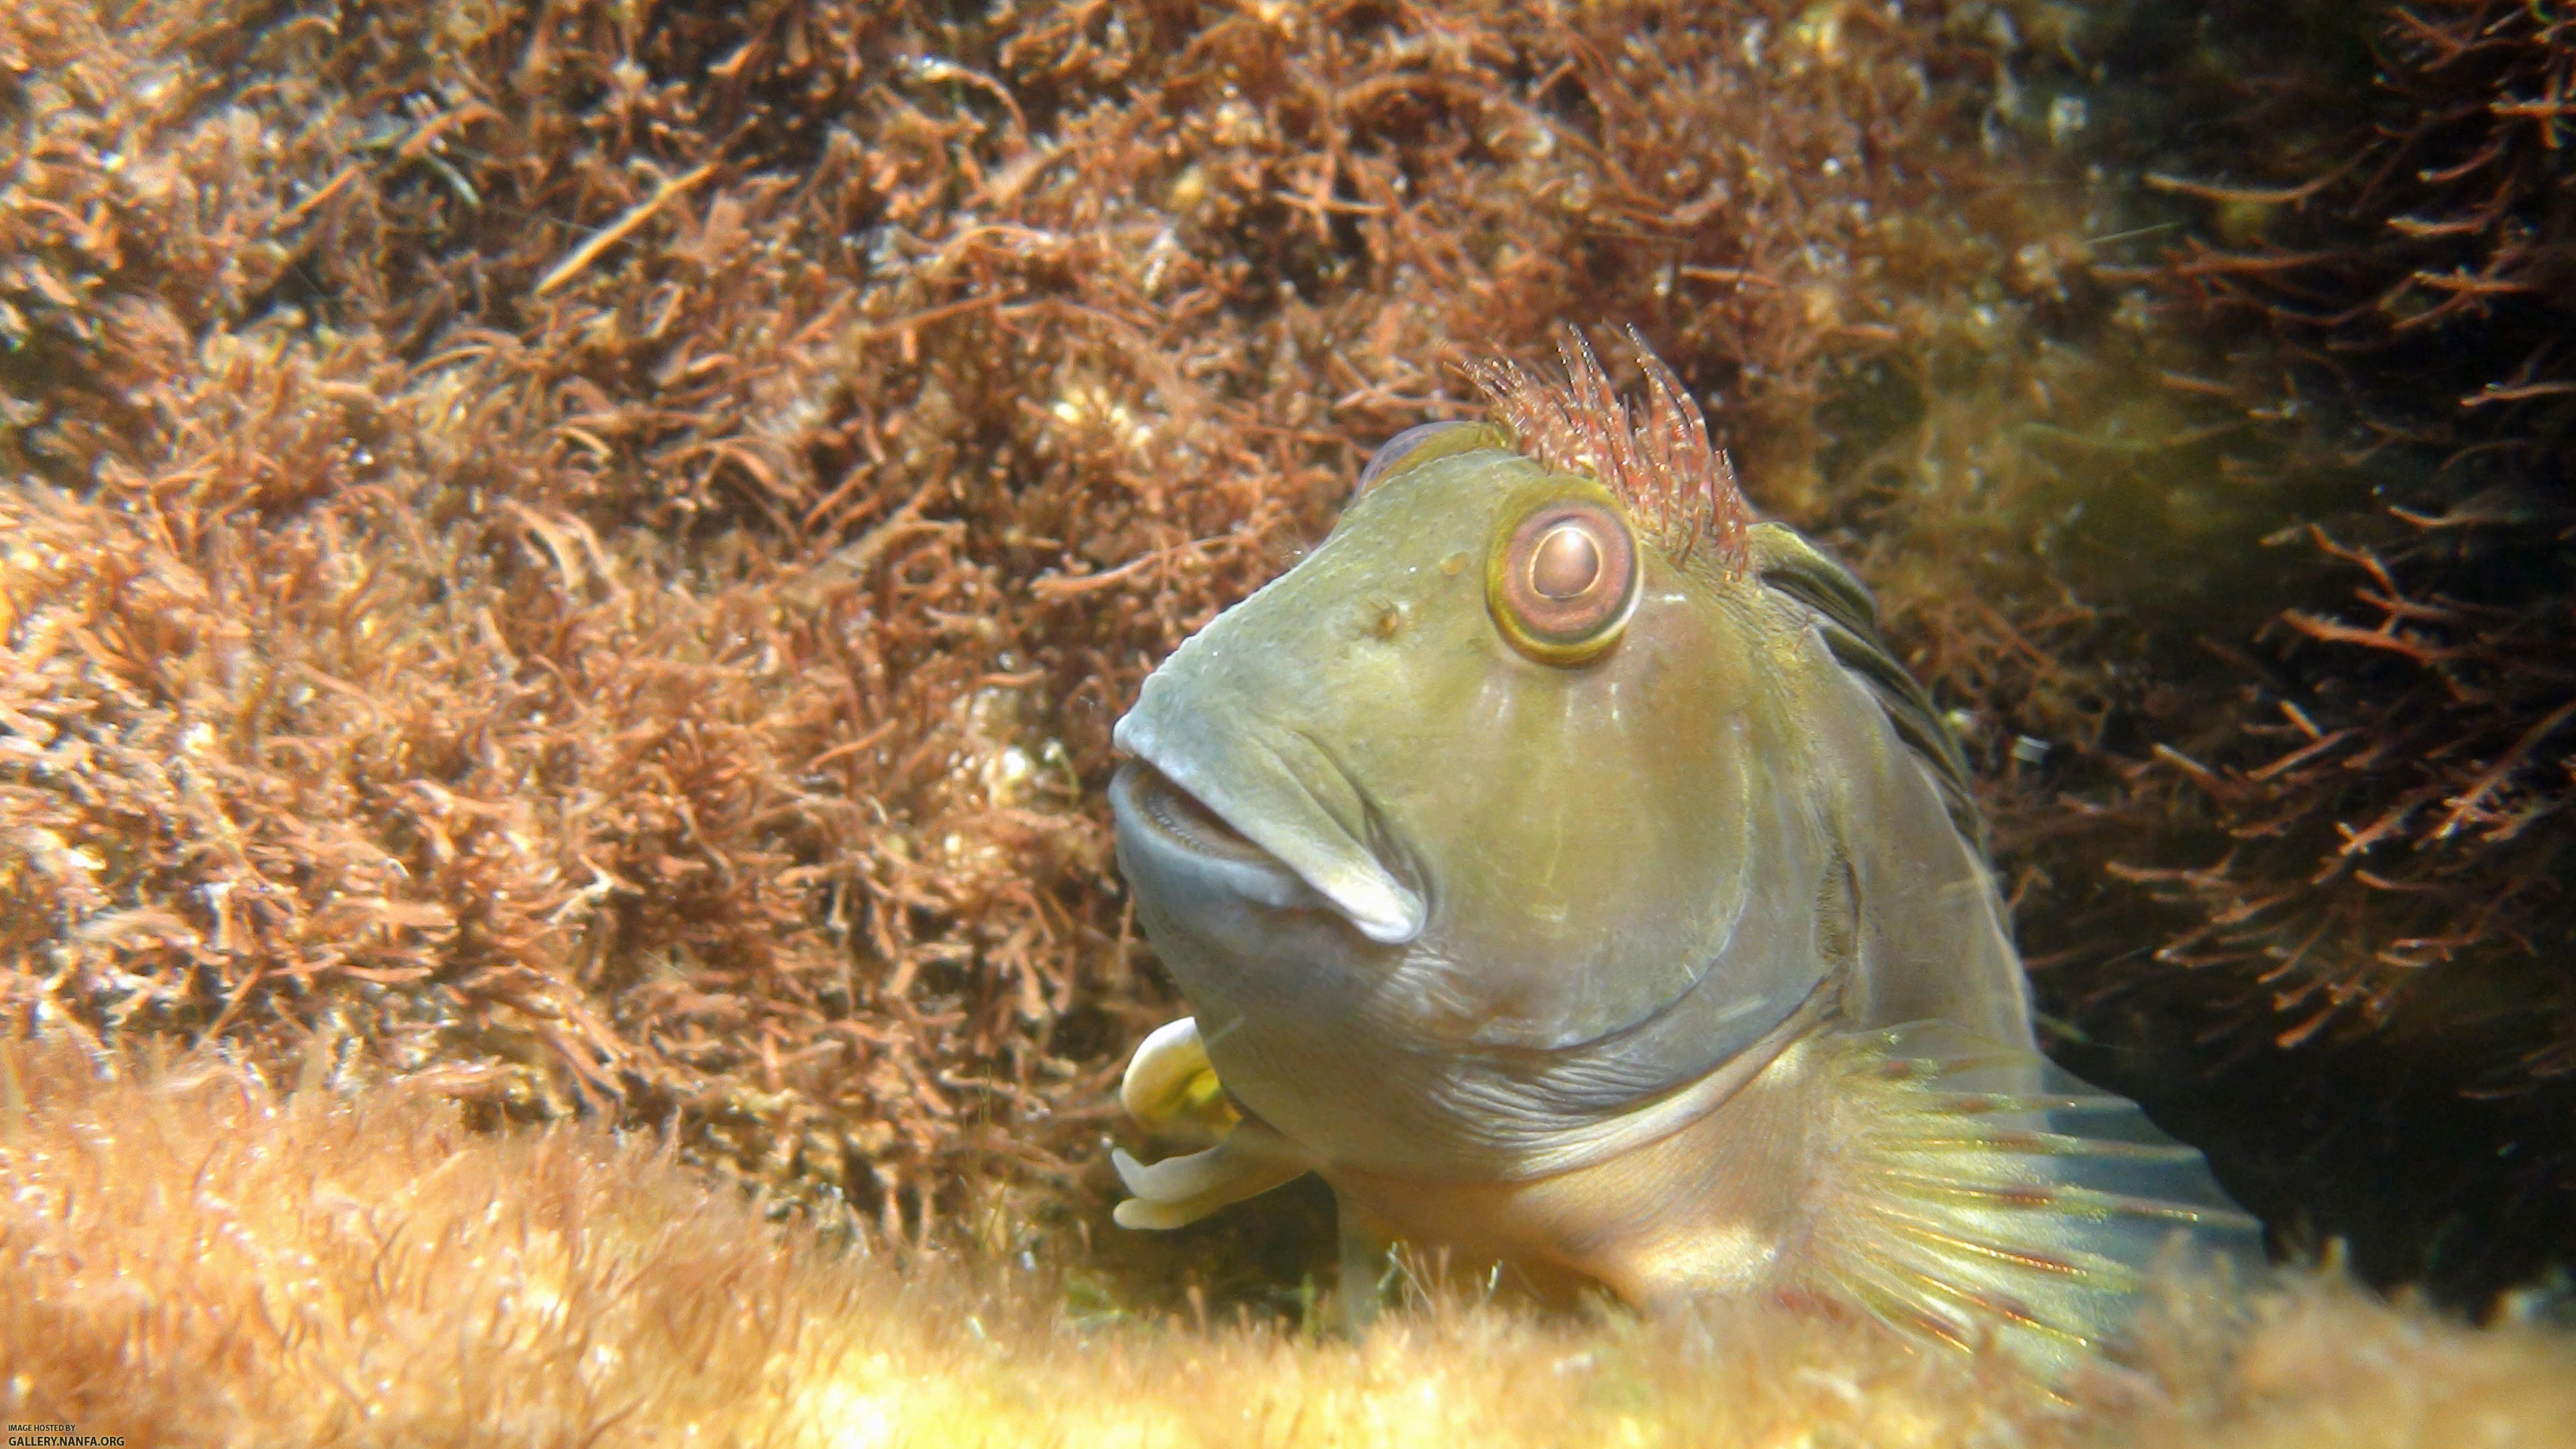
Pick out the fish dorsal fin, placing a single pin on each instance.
(1980, 1190)
(1785, 561)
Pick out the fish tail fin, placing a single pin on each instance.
(1987, 1192)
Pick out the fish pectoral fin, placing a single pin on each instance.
(1170, 1084)
(1181, 1190)
(1984, 1190)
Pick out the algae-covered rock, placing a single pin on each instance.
(356, 1265)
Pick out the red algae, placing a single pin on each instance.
(586, 555)
(589, 556)
(2339, 823)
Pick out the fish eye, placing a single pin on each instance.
(1424, 443)
(1562, 580)
(1565, 563)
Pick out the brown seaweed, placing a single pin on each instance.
(588, 552)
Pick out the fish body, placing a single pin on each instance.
(1558, 863)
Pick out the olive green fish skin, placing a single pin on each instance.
(1510, 906)
(1558, 862)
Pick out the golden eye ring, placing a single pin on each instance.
(1562, 581)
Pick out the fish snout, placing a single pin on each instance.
(1187, 859)
(1265, 823)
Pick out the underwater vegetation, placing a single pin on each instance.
(2348, 825)
(589, 553)
(584, 555)
(360, 1266)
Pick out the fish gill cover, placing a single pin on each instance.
(586, 554)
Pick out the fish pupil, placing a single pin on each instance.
(1566, 562)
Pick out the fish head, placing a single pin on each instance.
(1489, 775)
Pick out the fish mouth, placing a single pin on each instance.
(1272, 843)
(1149, 804)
